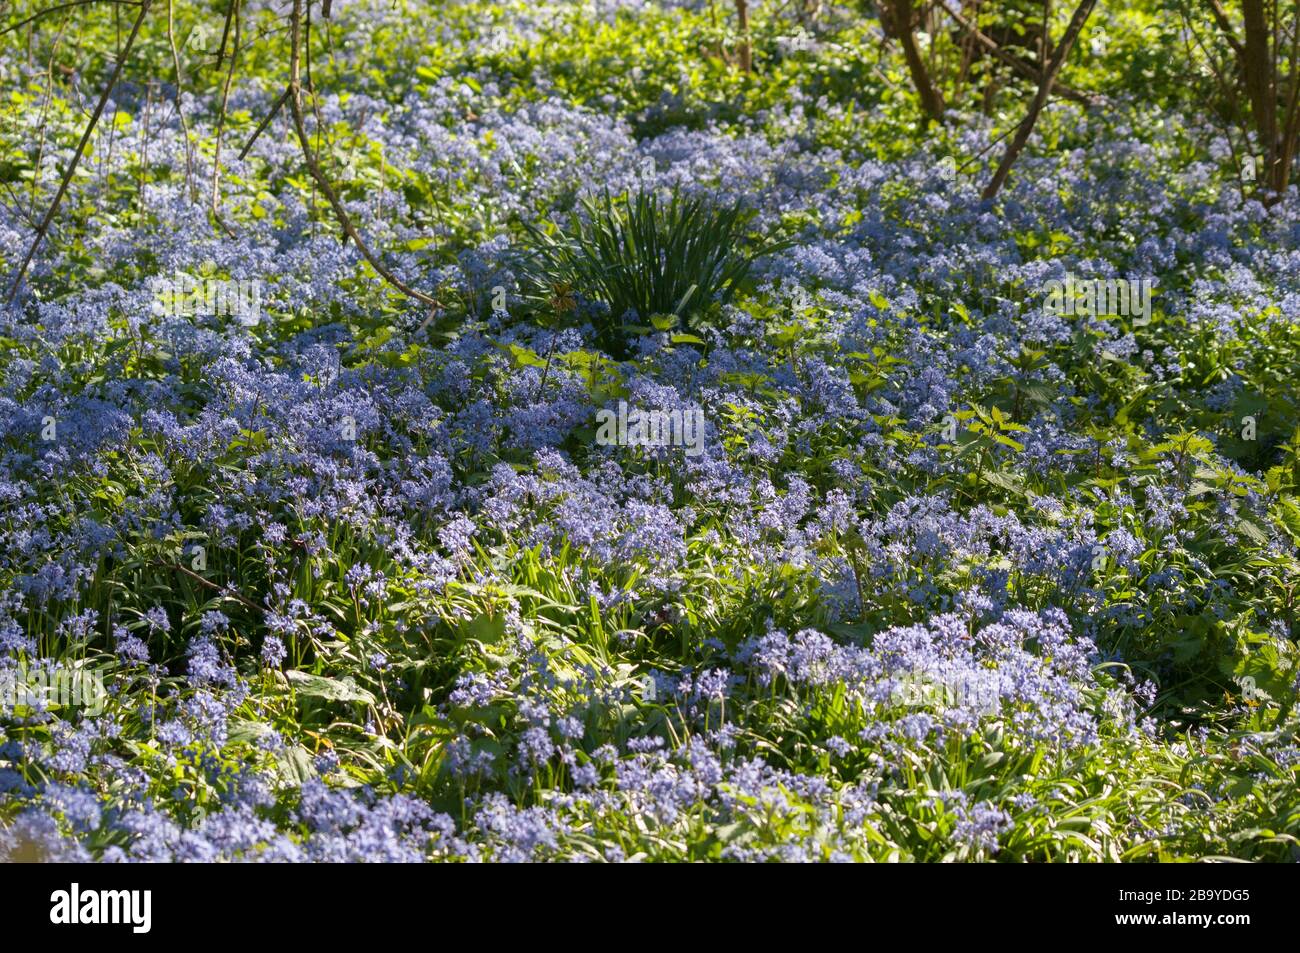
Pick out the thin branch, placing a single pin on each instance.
(1291, 115)
(22, 213)
(1026, 127)
(45, 110)
(180, 110)
(1225, 27)
(1022, 67)
(81, 148)
(225, 590)
(1191, 36)
(279, 103)
(225, 33)
(65, 6)
(313, 165)
(901, 14)
(221, 116)
(742, 28)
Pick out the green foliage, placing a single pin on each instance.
(646, 257)
(1204, 604)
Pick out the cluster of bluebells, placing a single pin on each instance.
(947, 675)
(365, 519)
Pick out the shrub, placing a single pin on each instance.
(645, 256)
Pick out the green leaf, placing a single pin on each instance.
(330, 689)
(484, 628)
(1007, 481)
(295, 764)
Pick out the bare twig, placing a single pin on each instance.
(45, 111)
(18, 206)
(313, 164)
(201, 580)
(1019, 65)
(279, 103)
(1274, 111)
(900, 14)
(221, 116)
(81, 148)
(1190, 37)
(746, 52)
(1225, 27)
(231, 12)
(1026, 127)
(64, 6)
(180, 110)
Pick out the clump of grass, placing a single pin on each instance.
(644, 256)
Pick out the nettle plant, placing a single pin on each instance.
(646, 259)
